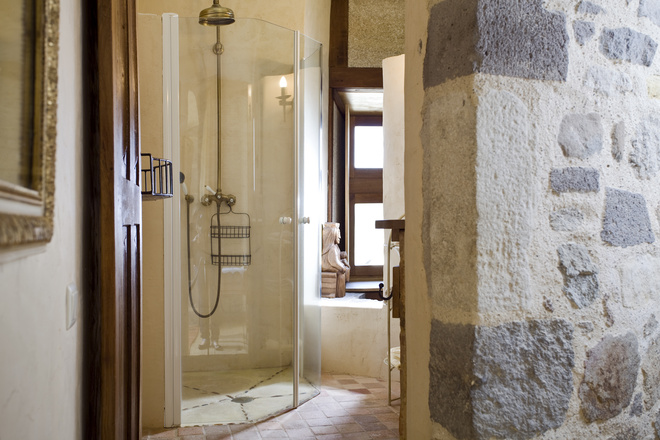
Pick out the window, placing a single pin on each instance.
(365, 196)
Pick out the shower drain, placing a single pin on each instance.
(242, 399)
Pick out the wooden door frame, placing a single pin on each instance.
(112, 300)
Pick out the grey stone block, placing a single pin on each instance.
(580, 274)
(657, 425)
(451, 377)
(587, 326)
(499, 37)
(575, 179)
(651, 326)
(619, 141)
(652, 372)
(451, 42)
(637, 407)
(511, 381)
(626, 44)
(582, 290)
(650, 9)
(524, 378)
(567, 219)
(580, 136)
(607, 81)
(574, 259)
(630, 433)
(626, 221)
(645, 155)
(583, 31)
(610, 374)
(587, 7)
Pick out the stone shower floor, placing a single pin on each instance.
(239, 396)
(348, 407)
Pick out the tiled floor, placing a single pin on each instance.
(349, 407)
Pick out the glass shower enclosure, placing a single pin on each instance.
(242, 125)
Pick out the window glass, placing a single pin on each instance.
(368, 146)
(368, 239)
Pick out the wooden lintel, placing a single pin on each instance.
(356, 78)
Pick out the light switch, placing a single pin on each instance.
(71, 305)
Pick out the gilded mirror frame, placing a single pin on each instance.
(26, 213)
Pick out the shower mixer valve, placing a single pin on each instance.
(217, 197)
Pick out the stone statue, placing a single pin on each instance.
(334, 263)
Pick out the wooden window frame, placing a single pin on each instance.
(365, 185)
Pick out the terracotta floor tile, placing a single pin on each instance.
(318, 430)
(319, 422)
(275, 433)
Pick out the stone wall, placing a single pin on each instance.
(540, 160)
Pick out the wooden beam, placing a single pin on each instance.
(338, 34)
(356, 78)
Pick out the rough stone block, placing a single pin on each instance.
(583, 31)
(582, 290)
(640, 281)
(576, 179)
(619, 141)
(451, 377)
(607, 81)
(609, 378)
(587, 7)
(651, 326)
(650, 9)
(580, 274)
(581, 136)
(626, 44)
(657, 424)
(651, 373)
(626, 221)
(567, 219)
(493, 37)
(637, 407)
(630, 433)
(574, 259)
(523, 374)
(587, 326)
(645, 156)
(510, 381)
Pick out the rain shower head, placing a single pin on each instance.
(216, 15)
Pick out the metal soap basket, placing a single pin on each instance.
(238, 229)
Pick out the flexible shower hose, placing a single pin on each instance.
(217, 295)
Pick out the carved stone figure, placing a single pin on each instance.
(334, 263)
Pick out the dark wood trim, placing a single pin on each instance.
(356, 78)
(338, 50)
(113, 202)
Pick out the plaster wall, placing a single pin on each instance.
(41, 367)
(375, 31)
(350, 347)
(538, 221)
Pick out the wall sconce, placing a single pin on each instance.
(284, 97)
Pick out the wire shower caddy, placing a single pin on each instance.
(235, 236)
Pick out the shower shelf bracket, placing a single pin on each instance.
(156, 177)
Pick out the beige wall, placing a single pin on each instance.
(40, 370)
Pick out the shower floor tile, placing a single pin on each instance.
(363, 414)
(237, 396)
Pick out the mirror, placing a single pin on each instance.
(29, 34)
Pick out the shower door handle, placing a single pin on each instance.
(304, 221)
(286, 220)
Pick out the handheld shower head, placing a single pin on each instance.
(216, 15)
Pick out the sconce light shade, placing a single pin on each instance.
(283, 82)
